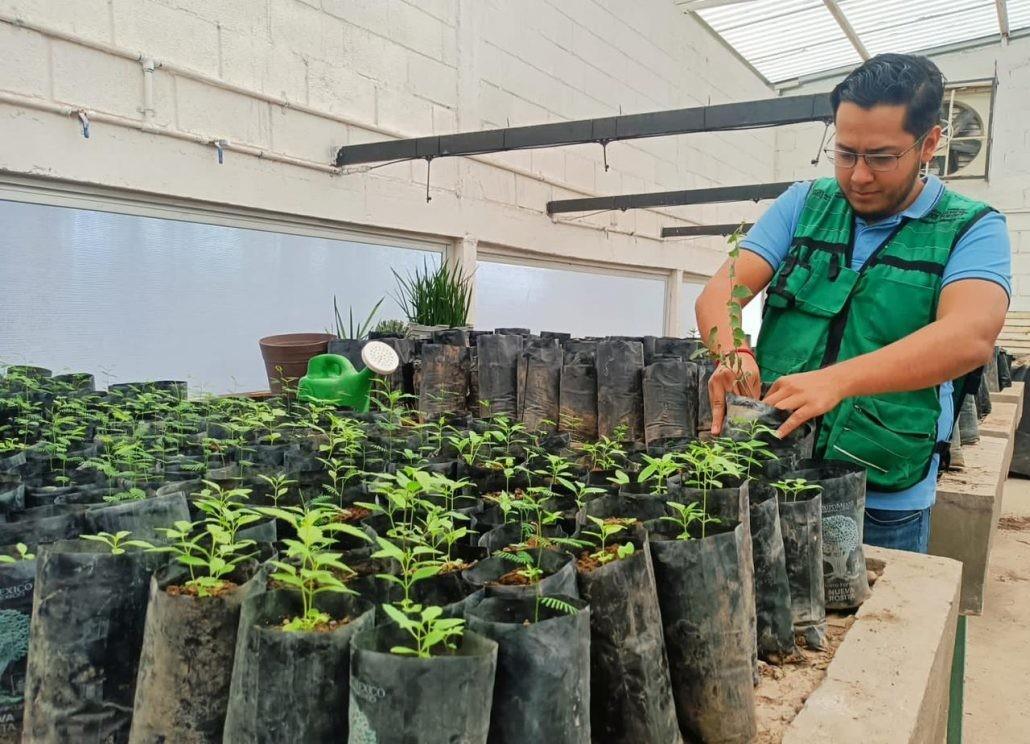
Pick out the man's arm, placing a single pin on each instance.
(970, 315)
(753, 272)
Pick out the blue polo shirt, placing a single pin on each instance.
(982, 253)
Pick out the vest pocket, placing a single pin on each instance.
(824, 297)
(892, 441)
(886, 310)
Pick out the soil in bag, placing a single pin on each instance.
(498, 374)
(772, 588)
(398, 699)
(501, 576)
(802, 528)
(539, 384)
(141, 518)
(670, 400)
(84, 647)
(542, 685)
(843, 511)
(577, 399)
(701, 590)
(16, 584)
(630, 688)
(444, 383)
(185, 669)
(290, 685)
(620, 367)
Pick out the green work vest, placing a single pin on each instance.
(820, 311)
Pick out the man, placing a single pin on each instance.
(882, 289)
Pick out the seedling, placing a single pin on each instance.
(582, 492)
(658, 470)
(469, 446)
(791, 489)
(606, 453)
(279, 486)
(118, 542)
(687, 515)
(309, 560)
(428, 630)
(210, 556)
(739, 293)
(605, 531)
(23, 554)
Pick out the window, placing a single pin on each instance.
(577, 301)
(140, 298)
(751, 320)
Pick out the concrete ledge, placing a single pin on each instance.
(1012, 394)
(966, 513)
(889, 680)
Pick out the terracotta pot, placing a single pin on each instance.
(286, 356)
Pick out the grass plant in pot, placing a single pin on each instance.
(434, 298)
(351, 337)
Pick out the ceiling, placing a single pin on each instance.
(784, 40)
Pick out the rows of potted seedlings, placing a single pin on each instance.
(235, 570)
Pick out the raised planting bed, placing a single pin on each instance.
(968, 505)
(886, 678)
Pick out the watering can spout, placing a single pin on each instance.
(332, 378)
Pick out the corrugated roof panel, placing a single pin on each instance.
(1019, 14)
(801, 36)
(807, 60)
(886, 27)
(785, 39)
(756, 11)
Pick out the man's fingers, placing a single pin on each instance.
(717, 394)
(795, 420)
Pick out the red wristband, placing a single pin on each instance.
(749, 352)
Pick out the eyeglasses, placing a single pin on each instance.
(877, 161)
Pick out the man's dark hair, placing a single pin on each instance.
(893, 80)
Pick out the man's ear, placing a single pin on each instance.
(930, 145)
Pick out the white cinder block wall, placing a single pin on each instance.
(294, 79)
(1007, 188)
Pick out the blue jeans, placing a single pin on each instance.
(907, 529)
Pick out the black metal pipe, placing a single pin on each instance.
(767, 112)
(693, 231)
(750, 192)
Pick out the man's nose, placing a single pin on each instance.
(862, 174)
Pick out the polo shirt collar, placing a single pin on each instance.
(932, 190)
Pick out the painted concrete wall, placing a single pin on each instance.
(293, 79)
(1006, 189)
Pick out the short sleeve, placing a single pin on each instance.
(984, 252)
(771, 235)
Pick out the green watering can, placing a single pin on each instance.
(332, 378)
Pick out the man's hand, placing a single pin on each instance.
(724, 381)
(807, 394)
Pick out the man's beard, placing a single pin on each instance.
(894, 199)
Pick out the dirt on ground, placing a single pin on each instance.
(783, 689)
